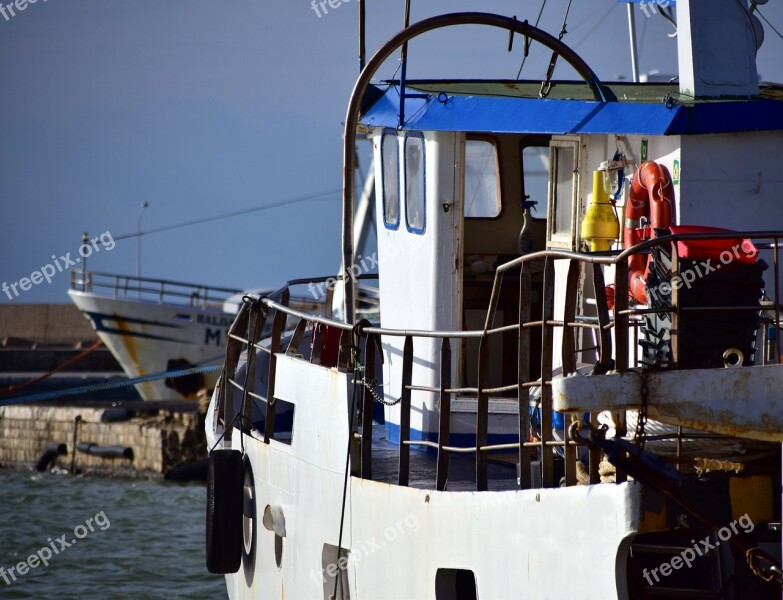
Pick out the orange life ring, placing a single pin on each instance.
(651, 197)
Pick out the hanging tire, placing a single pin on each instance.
(225, 480)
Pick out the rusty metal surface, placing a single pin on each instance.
(741, 402)
(367, 406)
(277, 332)
(547, 335)
(405, 411)
(444, 424)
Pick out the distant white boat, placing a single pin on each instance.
(156, 325)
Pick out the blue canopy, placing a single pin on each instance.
(510, 114)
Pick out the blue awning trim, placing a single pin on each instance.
(494, 114)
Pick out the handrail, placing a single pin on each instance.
(128, 278)
(613, 353)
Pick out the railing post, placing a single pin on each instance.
(602, 308)
(482, 414)
(547, 314)
(569, 316)
(570, 453)
(621, 340)
(775, 264)
(523, 370)
(405, 411)
(233, 350)
(367, 405)
(674, 333)
(444, 425)
(274, 348)
(255, 326)
(621, 319)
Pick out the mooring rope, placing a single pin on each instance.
(58, 368)
(113, 385)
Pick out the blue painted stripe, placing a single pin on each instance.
(100, 327)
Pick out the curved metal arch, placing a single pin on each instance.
(401, 38)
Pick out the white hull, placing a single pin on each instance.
(144, 336)
(398, 537)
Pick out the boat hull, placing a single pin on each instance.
(399, 537)
(148, 338)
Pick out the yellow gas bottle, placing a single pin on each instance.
(600, 226)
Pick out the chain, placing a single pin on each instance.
(370, 385)
(641, 420)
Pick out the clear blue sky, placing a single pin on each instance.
(201, 107)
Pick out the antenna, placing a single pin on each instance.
(362, 35)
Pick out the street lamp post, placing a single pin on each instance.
(138, 246)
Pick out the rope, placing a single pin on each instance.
(527, 42)
(356, 333)
(67, 363)
(99, 387)
(546, 85)
(758, 12)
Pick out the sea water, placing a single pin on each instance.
(64, 536)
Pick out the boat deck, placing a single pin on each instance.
(502, 468)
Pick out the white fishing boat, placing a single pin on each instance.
(547, 435)
(154, 325)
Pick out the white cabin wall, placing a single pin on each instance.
(711, 66)
(419, 277)
(734, 181)
(665, 150)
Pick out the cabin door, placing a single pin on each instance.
(418, 195)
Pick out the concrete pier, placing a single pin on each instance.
(160, 442)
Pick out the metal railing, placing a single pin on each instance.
(612, 354)
(162, 291)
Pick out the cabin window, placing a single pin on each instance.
(482, 180)
(563, 189)
(414, 183)
(390, 161)
(535, 169)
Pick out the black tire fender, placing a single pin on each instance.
(225, 481)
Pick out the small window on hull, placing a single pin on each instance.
(482, 180)
(455, 584)
(390, 164)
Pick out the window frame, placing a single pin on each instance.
(498, 163)
(419, 136)
(534, 142)
(561, 240)
(388, 132)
